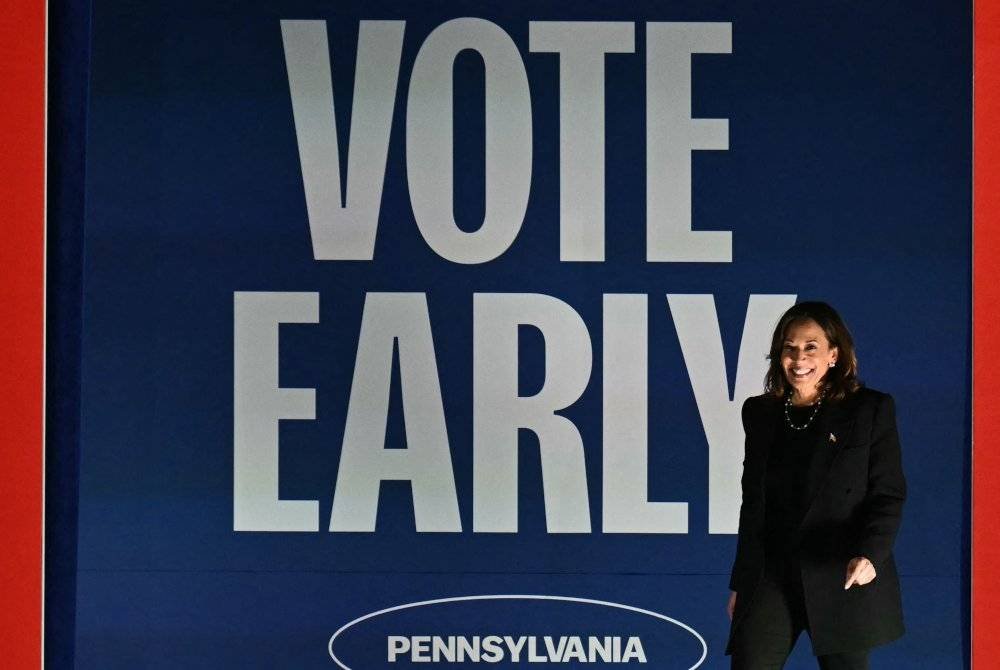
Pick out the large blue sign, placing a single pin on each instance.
(419, 333)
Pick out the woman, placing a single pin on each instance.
(823, 491)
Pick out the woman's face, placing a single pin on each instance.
(806, 355)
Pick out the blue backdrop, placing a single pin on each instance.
(847, 179)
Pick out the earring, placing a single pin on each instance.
(832, 363)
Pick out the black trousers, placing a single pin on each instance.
(772, 625)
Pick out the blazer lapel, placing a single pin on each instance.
(835, 424)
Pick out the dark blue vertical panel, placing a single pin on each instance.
(68, 81)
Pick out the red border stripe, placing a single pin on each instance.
(22, 259)
(985, 303)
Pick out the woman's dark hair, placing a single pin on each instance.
(840, 380)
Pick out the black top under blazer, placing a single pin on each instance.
(855, 488)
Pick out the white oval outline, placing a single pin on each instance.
(571, 599)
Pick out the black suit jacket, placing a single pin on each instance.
(856, 490)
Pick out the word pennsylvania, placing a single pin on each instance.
(494, 649)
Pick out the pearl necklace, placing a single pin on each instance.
(788, 416)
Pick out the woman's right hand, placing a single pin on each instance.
(731, 605)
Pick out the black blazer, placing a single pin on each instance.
(856, 490)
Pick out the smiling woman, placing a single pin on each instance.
(823, 492)
(812, 353)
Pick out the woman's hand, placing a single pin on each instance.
(860, 571)
(731, 605)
